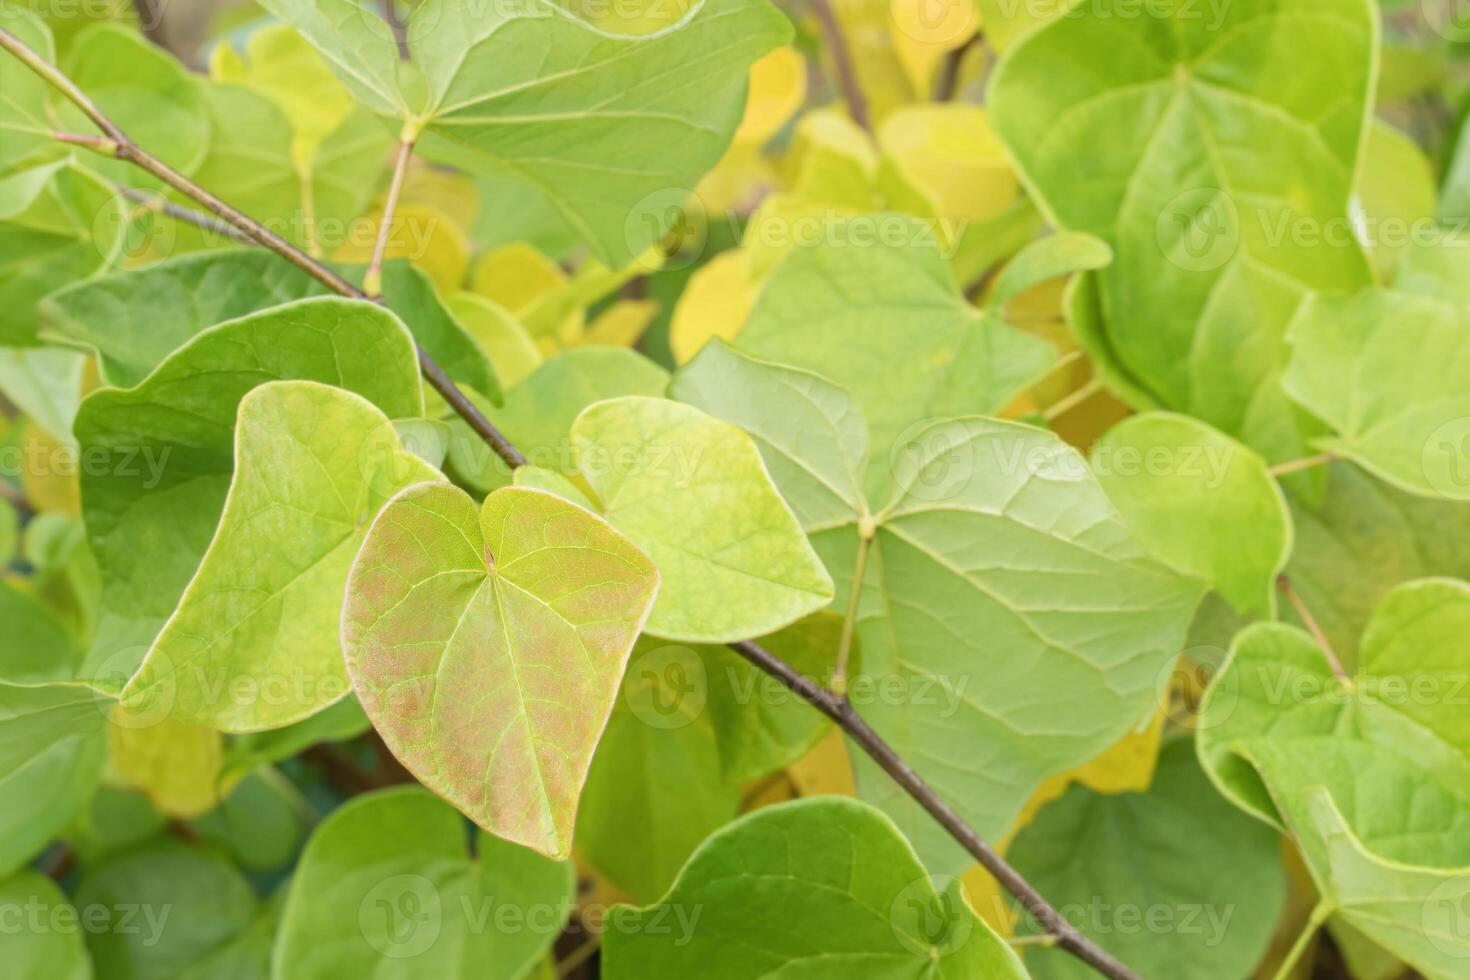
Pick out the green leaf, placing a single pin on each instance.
(1218, 164)
(531, 602)
(313, 466)
(925, 352)
(655, 790)
(42, 796)
(1363, 538)
(387, 879)
(135, 319)
(259, 823)
(505, 341)
(23, 118)
(1201, 501)
(539, 95)
(335, 723)
(359, 46)
(37, 647)
(33, 954)
(58, 223)
(1193, 888)
(46, 384)
(999, 560)
(812, 436)
(1388, 372)
(1334, 758)
(36, 716)
(145, 91)
(163, 450)
(691, 491)
(1052, 257)
(540, 409)
(542, 96)
(252, 163)
(823, 888)
(762, 727)
(179, 904)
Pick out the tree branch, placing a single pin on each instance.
(188, 216)
(123, 148)
(834, 706)
(854, 727)
(852, 92)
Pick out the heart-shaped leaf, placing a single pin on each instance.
(164, 451)
(1198, 156)
(1389, 371)
(886, 322)
(822, 888)
(1333, 757)
(538, 94)
(1213, 920)
(691, 491)
(313, 465)
(387, 878)
(487, 645)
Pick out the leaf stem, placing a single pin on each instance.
(1319, 915)
(834, 706)
(852, 92)
(372, 281)
(866, 534)
(838, 709)
(127, 150)
(1068, 402)
(1296, 465)
(1283, 583)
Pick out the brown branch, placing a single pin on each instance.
(188, 216)
(948, 82)
(847, 81)
(860, 732)
(832, 705)
(117, 144)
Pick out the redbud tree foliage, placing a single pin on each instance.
(642, 489)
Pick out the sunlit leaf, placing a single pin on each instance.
(531, 602)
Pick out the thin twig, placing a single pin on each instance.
(852, 92)
(832, 705)
(372, 280)
(949, 71)
(1297, 465)
(398, 24)
(859, 731)
(126, 149)
(14, 497)
(1305, 615)
(188, 216)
